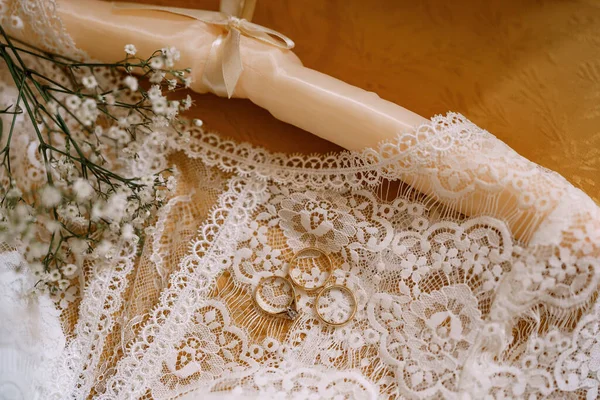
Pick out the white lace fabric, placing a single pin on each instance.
(440, 294)
(476, 278)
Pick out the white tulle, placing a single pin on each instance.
(31, 336)
(449, 304)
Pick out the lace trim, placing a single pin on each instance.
(101, 300)
(188, 288)
(42, 18)
(343, 170)
(450, 159)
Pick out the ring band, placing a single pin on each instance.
(297, 256)
(343, 289)
(290, 310)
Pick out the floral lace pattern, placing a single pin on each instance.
(428, 285)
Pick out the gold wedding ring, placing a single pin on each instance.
(343, 321)
(289, 311)
(304, 254)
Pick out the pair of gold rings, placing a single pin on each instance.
(282, 293)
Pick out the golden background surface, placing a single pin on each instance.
(528, 71)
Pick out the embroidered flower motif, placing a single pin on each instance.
(313, 278)
(414, 268)
(197, 354)
(476, 258)
(578, 367)
(562, 266)
(64, 298)
(441, 326)
(255, 233)
(206, 352)
(428, 338)
(336, 306)
(317, 219)
(268, 257)
(445, 259)
(492, 277)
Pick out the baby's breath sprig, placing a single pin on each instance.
(80, 167)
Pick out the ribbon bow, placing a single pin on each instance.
(224, 65)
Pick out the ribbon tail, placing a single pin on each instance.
(212, 76)
(232, 61)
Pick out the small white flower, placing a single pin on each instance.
(89, 82)
(171, 183)
(120, 135)
(83, 190)
(88, 112)
(73, 102)
(161, 195)
(131, 82)
(37, 268)
(146, 195)
(50, 196)
(127, 232)
(198, 122)
(37, 250)
(115, 209)
(147, 180)
(14, 193)
(159, 106)
(156, 63)
(104, 249)
(54, 275)
(154, 93)
(134, 119)
(157, 77)
(172, 84)
(69, 269)
(78, 246)
(187, 81)
(63, 284)
(16, 22)
(173, 109)
(130, 49)
(123, 122)
(171, 55)
(187, 102)
(52, 226)
(159, 121)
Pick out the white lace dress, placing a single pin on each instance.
(499, 300)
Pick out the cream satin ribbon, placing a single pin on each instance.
(224, 65)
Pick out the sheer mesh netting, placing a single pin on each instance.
(473, 272)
